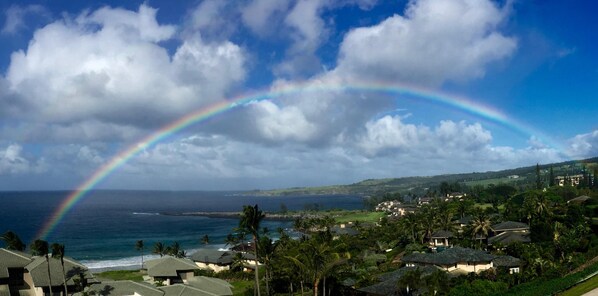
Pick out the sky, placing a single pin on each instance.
(487, 85)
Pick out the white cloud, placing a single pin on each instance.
(280, 124)
(13, 162)
(389, 134)
(15, 17)
(263, 16)
(114, 71)
(435, 41)
(584, 145)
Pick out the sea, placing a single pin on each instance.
(101, 230)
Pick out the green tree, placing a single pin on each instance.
(58, 252)
(437, 281)
(250, 220)
(551, 181)
(538, 177)
(411, 280)
(480, 226)
(159, 249)
(205, 239)
(140, 247)
(12, 241)
(40, 248)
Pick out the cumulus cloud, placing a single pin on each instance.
(12, 161)
(389, 134)
(262, 16)
(433, 42)
(584, 145)
(115, 71)
(15, 17)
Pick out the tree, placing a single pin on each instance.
(411, 280)
(175, 250)
(12, 241)
(480, 226)
(250, 220)
(437, 281)
(551, 181)
(140, 247)
(159, 249)
(538, 178)
(58, 252)
(205, 239)
(40, 248)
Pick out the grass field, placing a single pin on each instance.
(121, 275)
(240, 286)
(495, 181)
(346, 216)
(582, 288)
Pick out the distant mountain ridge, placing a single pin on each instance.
(522, 176)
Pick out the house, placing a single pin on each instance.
(455, 196)
(510, 226)
(425, 200)
(441, 238)
(455, 259)
(212, 285)
(170, 270)
(21, 273)
(218, 261)
(460, 260)
(511, 263)
(579, 200)
(509, 232)
(122, 288)
(343, 229)
(573, 180)
(387, 284)
(12, 270)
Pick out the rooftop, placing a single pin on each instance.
(508, 237)
(449, 257)
(169, 266)
(119, 288)
(213, 256)
(12, 259)
(510, 225)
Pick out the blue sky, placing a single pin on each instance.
(81, 81)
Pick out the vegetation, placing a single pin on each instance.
(121, 275)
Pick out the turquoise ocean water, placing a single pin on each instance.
(101, 230)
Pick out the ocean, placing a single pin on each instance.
(101, 230)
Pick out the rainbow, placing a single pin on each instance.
(200, 115)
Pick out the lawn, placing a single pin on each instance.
(121, 275)
(241, 286)
(582, 288)
(359, 216)
(494, 181)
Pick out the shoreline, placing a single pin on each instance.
(236, 215)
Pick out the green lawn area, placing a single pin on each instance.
(484, 206)
(582, 288)
(240, 286)
(359, 216)
(118, 275)
(487, 182)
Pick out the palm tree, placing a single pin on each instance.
(175, 250)
(437, 281)
(58, 252)
(480, 226)
(40, 248)
(250, 221)
(140, 247)
(410, 224)
(205, 239)
(411, 280)
(12, 241)
(159, 249)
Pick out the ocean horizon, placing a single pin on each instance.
(101, 230)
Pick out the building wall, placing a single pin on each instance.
(214, 267)
(474, 267)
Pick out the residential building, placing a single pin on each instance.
(441, 238)
(170, 270)
(454, 260)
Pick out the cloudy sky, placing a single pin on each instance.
(80, 82)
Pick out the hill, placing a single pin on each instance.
(519, 177)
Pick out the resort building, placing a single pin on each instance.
(441, 238)
(170, 270)
(509, 232)
(129, 288)
(218, 261)
(213, 259)
(455, 259)
(573, 180)
(22, 274)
